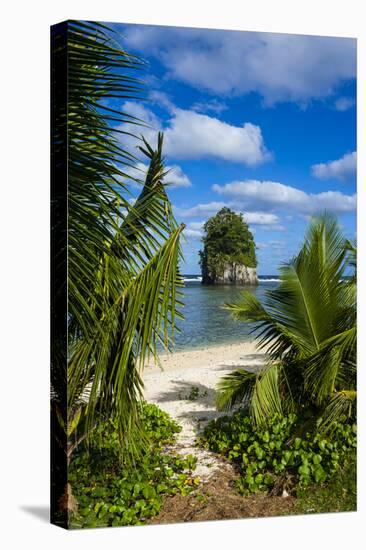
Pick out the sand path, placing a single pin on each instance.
(185, 388)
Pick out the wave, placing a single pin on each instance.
(198, 279)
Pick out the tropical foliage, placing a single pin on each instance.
(122, 254)
(110, 493)
(227, 241)
(307, 325)
(275, 457)
(340, 495)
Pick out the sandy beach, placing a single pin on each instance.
(185, 388)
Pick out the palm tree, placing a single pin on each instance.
(120, 255)
(307, 325)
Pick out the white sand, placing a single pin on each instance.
(202, 368)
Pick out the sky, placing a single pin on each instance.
(262, 123)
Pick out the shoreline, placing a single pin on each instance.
(207, 346)
(185, 388)
(228, 351)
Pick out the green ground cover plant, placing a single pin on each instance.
(111, 492)
(279, 450)
(338, 496)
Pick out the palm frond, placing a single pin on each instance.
(333, 365)
(236, 388)
(266, 400)
(307, 324)
(123, 274)
(341, 407)
(259, 391)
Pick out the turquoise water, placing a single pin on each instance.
(206, 323)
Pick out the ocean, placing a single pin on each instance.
(206, 323)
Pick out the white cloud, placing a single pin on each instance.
(272, 245)
(192, 233)
(133, 131)
(212, 105)
(194, 230)
(281, 67)
(196, 225)
(341, 169)
(162, 99)
(206, 210)
(276, 227)
(344, 103)
(175, 176)
(192, 135)
(139, 111)
(211, 208)
(260, 218)
(137, 171)
(270, 194)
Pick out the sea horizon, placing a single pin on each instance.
(197, 277)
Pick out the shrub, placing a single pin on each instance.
(110, 493)
(263, 454)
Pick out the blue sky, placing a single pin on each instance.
(263, 123)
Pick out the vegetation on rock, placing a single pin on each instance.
(227, 242)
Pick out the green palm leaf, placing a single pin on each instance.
(122, 259)
(308, 324)
(341, 406)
